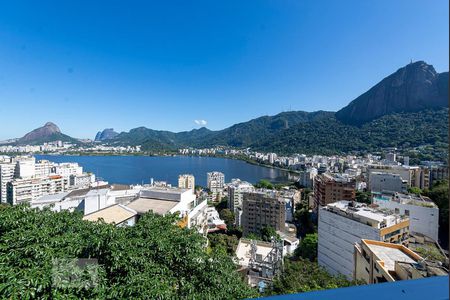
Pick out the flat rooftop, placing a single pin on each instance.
(157, 206)
(244, 247)
(112, 214)
(390, 255)
(51, 198)
(355, 211)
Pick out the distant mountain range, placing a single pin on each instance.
(106, 134)
(47, 133)
(407, 108)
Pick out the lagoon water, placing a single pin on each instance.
(139, 169)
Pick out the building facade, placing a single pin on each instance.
(422, 212)
(344, 223)
(331, 188)
(186, 181)
(380, 181)
(377, 262)
(260, 210)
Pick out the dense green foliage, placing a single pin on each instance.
(228, 216)
(363, 197)
(302, 217)
(302, 275)
(264, 184)
(439, 193)
(223, 243)
(308, 247)
(309, 133)
(268, 232)
(153, 259)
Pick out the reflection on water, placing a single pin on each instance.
(139, 169)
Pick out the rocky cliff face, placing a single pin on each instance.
(412, 88)
(106, 134)
(48, 130)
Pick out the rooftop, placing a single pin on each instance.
(390, 253)
(51, 198)
(362, 213)
(160, 207)
(244, 247)
(112, 214)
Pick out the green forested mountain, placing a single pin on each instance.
(300, 132)
(406, 109)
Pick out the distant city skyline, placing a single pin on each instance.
(175, 66)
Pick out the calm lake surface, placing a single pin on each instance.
(139, 169)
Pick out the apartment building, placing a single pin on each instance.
(215, 182)
(25, 190)
(260, 210)
(414, 175)
(329, 188)
(377, 262)
(186, 181)
(6, 175)
(306, 177)
(344, 223)
(235, 191)
(380, 181)
(423, 213)
(168, 200)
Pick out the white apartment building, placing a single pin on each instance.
(6, 175)
(380, 181)
(25, 190)
(344, 223)
(236, 190)
(215, 181)
(186, 181)
(422, 212)
(412, 174)
(25, 167)
(82, 180)
(164, 200)
(306, 177)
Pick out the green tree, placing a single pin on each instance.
(308, 247)
(265, 184)
(363, 197)
(222, 204)
(302, 218)
(267, 232)
(228, 216)
(153, 259)
(222, 242)
(415, 190)
(439, 194)
(303, 275)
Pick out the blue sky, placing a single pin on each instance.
(89, 65)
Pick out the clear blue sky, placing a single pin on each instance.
(89, 65)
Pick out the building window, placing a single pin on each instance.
(397, 211)
(407, 212)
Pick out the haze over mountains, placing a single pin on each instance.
(407, 108)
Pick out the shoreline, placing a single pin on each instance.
(251, 162)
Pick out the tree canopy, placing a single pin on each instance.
(153, 259)
(302, 275)
(308, 247)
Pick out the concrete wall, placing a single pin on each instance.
(337, 237)
(422, 219)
